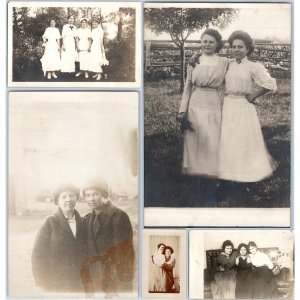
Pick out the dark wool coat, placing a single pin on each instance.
(110, 242)
(57, 254)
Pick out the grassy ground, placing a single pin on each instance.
(21, 235)
(165, 186)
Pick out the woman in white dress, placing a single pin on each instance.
(97, 57)
(243, 154)
(84, 42)
(51, 58)
(69, 52)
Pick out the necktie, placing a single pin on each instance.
(71, 27)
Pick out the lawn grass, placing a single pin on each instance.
(165, 186)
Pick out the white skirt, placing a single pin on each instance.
(243, 155)
(84, 60)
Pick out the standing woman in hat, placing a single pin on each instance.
(98, 58)
(84, 42)
(59, 248)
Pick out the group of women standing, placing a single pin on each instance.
(222, 134)
(244, 274)
(162, 280)
(82, 44)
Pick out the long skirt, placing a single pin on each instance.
(244, 284)
(243, 153)
(223, 287)
(68, 56)
(84, 60)
(201, 144)
(51, 58)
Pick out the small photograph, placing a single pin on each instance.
(164, 264)
(73, 44)
(241, 264)
(217, 114)
(73, 195)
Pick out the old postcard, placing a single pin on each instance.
(73, 194)
(241, 264)
(217, 114)
(74, 44)
(164, 264)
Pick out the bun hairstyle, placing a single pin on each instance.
(170, 248)
(252, 244)
(227, 243)
(214, 33)
(66, 187)
(161, 244)
(84, 20)
(242, 245)
(245, 37)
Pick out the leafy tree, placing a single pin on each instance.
(180, 23)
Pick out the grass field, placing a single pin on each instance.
(165, 186)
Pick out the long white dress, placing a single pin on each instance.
(68, 56)
(51, 58)
(84, 34)
(243, 154)
(97, 56)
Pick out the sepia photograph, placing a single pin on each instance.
(84, 44)
(241, 264)
(217, 116)
(164, 264)
(73, 194)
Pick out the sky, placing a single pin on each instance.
(261, 21)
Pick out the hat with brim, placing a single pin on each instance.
(66, 187)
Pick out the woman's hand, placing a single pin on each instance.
(89, 49)
(237, 260)
(185, 124)
(222, 269)
(194, 59)
(250, 98)
(63, 48)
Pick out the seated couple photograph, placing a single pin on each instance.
(246, 273)
(84, 254)
(163, 279)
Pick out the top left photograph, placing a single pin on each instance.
(68, 44)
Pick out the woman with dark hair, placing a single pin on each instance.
(223, 286)
(84, 42)
(60, 245)
(51, 58)
(168, 267)
(200, 113)
(69, 53)
(244, 281)
(264, 284)
(157, 282)
(243, 154)
(97, 58)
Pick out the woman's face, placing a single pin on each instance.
(83, 24)
(243, 251)
(252, 249)
(52, 23)
(67, 201)
(209, 44)
(161, 248)
(94, 198)
(239, 49)
(228, 250)
(71, 20)
(95, 24)
(168, 253)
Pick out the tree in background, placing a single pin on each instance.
(180, 23)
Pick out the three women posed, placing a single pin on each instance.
(222, 134)
(82, 44)
(243, 274)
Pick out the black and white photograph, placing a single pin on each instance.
(164, 264)
(73, 194)
(241, 264)
(84, 44)
(217, 115)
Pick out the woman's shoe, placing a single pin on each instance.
(78, 74)
(98, 77)
(94, 76)
(86, 75)
(54, 75)
(49, 75)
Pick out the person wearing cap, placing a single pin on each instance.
(109, 240)
(60, 245)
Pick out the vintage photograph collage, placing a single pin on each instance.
(150, 150)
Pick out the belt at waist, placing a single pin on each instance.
(235, 94)
(206, 88)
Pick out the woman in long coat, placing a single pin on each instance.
(60, 246)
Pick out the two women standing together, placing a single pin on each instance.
(222, 137)
(82, 44)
